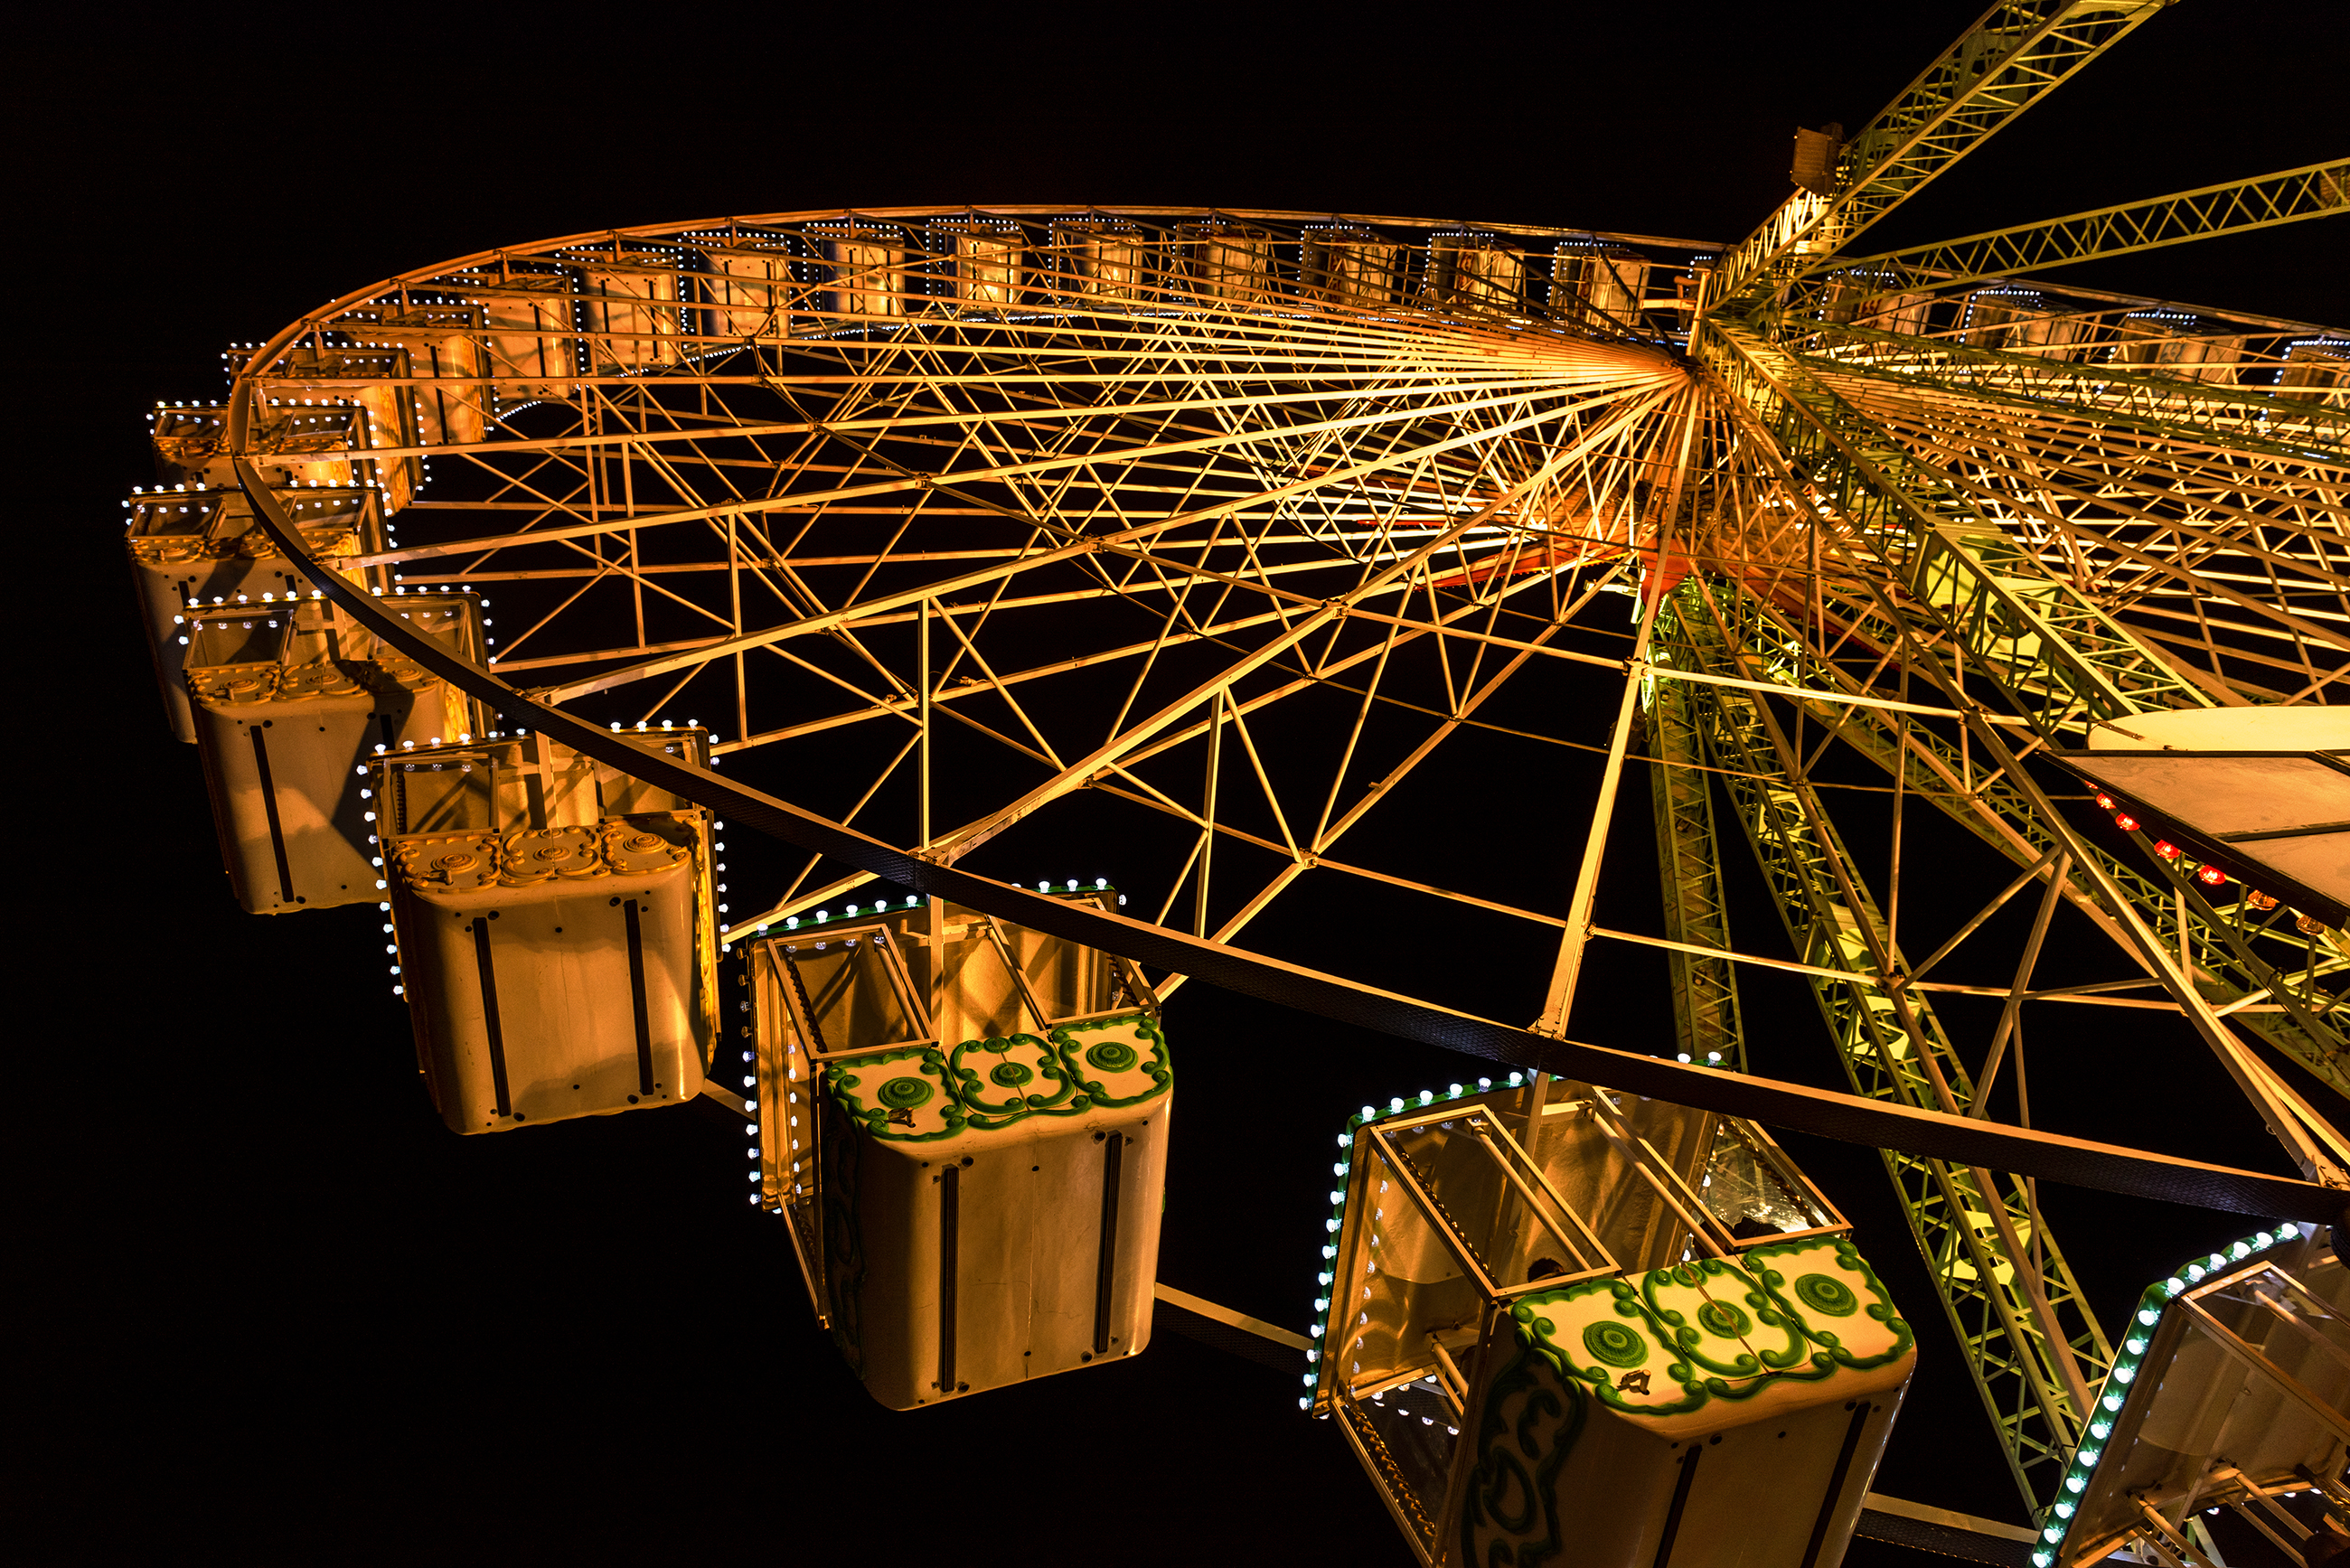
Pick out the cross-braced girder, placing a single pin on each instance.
(2034, 1347)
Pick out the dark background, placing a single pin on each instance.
(263, 1309)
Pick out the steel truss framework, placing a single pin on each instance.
(999, 534)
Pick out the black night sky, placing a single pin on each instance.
(264, 1310)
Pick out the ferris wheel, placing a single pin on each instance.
(1214, 564)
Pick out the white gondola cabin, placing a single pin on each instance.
(982, 262)
(557, 940)
(2019, 320)
(531, 337)
(631, 313)
(748, 294)
(1480, 270)
(1229, 262)
(2317, 369)
(1610, 279)
(306, 445)
(1102, 259)
(1872, 297)
(193, 550)
(2174, 343)
(289, 699)
(1353, 268)
(964, 1124)
(444, 344)
(302, 381)
(1560, 1324)
(2228, 1404)
(866, 269)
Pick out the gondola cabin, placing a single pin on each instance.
(289, 699)
(964, 1124)
(2222, 1428)
(555, 932)
(1567, 1326)
(193, 549)
(443, 341)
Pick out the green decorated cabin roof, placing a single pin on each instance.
(930, 1094)
(1672, 1342)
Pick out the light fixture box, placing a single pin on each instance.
(557, 943)
(963, 1123)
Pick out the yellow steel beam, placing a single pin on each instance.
(2264, 201)
(2014, 56)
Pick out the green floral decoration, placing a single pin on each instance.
(1824, 1294)
(1615, 1344)
(1103, 1054)
(1111, 1055)
(1008, 1071)
(1723, 1321)
(1036, 1077)
(844, 1080)
(1644, 1319)
(1689, 1342)
(1833, 1351)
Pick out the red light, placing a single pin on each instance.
(2167, 850)
(2127, 823)
(2104, 801)
(2211, 875)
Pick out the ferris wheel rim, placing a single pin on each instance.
(322, 315)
